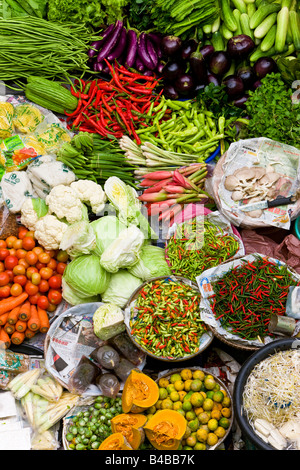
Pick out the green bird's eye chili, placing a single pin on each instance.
(198, 246)
(168, 322)
(246, 297)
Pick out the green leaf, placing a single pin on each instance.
(40, 207)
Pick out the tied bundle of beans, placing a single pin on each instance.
(248, 295)
(198, 245)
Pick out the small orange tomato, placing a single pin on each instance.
(4, 279)
(51, 307)
(19, 270)
(24, 263)
(46, 273)
(44, 286)
(2, 267)
(20, 279)
(30, 288)
(30, 271)
(44, 258)
(33, 299)
(16, 289)
(61, 267)
(54, 296)
(18, 244)
(36, 278)
(10, 241)
(31, 258)
(22, 232)
(30, 234)
(3, 244)
(52, 264)
(62, 256)
(4, 292)
(38, 250)
(28, 243)
(21, 253)
(43, 302)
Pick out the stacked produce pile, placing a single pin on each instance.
(120, 111)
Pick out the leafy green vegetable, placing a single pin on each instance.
(272, 113)
(85, 12)
(16, 8)
(152, 263)
(120, 288)
(289, 69)
(40, 207)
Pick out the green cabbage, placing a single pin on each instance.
(79, 239)
(73, 297)
(123, 198)
(120, 288)
(107, 229)
(86, 275)
(108, 321)
(152, 263)
(124, 251)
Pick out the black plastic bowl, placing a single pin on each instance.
(240, 382)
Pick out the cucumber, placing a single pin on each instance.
(265, 9)
(282, 27)
(265, 26)
(216, 25)
(240, 5)
(228, 17)
(251, 9)
(237, 15)
(245, 20)
(225, 32)
(218, 41)
(269, 39)
(294, 18)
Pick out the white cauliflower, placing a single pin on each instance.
(49, 231)
(64, 202)
(90, 193)
(29, 216)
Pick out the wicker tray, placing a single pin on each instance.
(208, 336)
(222, 385)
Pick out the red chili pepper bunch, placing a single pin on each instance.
(248, 295)
(114, 107)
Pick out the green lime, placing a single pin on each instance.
(196, 385)
(218, 396)
(209, 382)
(191, 441)
(224, 422)
(197, 399)
(186, 405)
(190, 415)
(194, 424)
(163, 393)
(174, 378)
(199, 446)
(167, 404)
(171, 388)
(174, 396)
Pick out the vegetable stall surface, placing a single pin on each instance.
(247, 295)
(195, 247)
(165, 319)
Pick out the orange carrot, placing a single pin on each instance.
(17, 337)
(5, 340)
(24, 313)
(6, 305)
(44, 319)
(34, 322)
(13, 316)
(3, 319)
(29, 333)
(9, 328)
(21, 325)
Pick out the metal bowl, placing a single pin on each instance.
(205, 339)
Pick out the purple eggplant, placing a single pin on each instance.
(219, 63)
(234, 86)
(211, 78)
(172, 70)
(131, 48)
(263, 66)
(98, 66)
(160, 66)
(207, 51)
(198, 66)
(110, 44)
(151, 51)
(256, 85)
(97, 44)
(185, 84)
(248, 76)
(171, 45)
(155, 38)
(119, 48)
(241, 101)
(170, 92)
(148, 73)
(143, 53)
(139, 65)
(240, 46)
(188, 48)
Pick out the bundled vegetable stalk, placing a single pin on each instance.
(167, 191)
(61, 51)
(22, 383)
(93, 158)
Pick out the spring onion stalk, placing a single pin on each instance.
(22, 383)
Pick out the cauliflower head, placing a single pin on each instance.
(91, 193)
(29, 216)
(64, 203)
(49, 231)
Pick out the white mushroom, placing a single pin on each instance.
(255, 214)
(231, 182)
(237, 195)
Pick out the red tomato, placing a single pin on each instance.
(22, 232)
(61, 267)
(38, 250)
(3, 244)
(20, 279)
(2, 267)
(44, 286)
(54, 296)
(30, 288)
(19, 270)
(43, 302)
(52, 264)
(44, 258)
(11, 275)
(33, 299)
(21, 253)
(4, 279)
(55, 281)
(30, 271)
(3, 253)
(24, 263)
(28, 243)
(4, 292)
(16, 289)
(10, 262)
